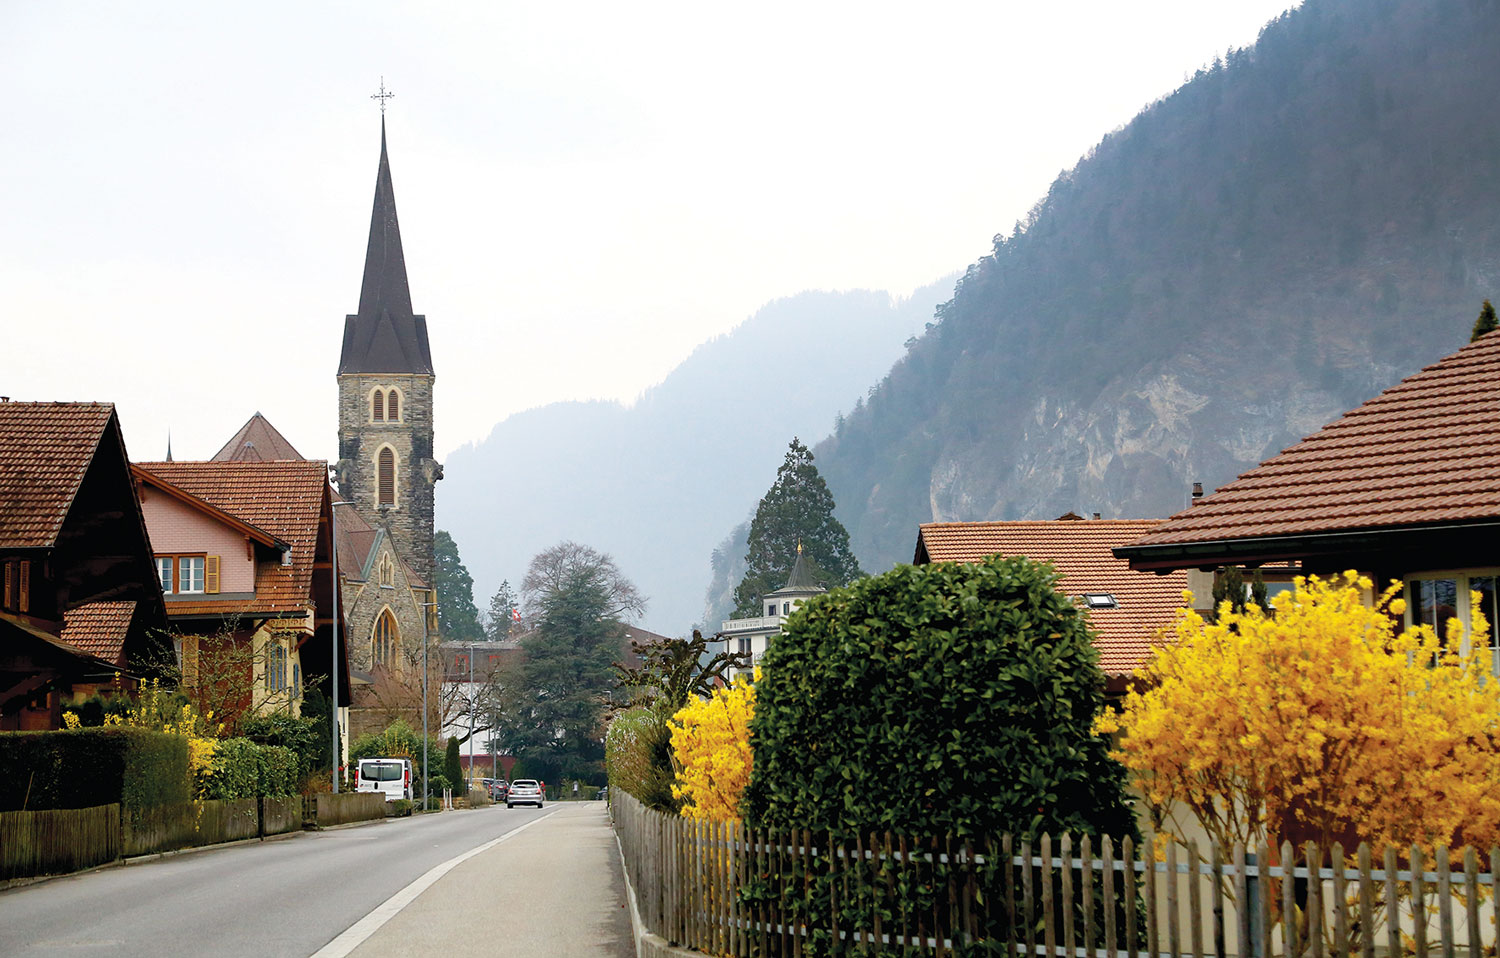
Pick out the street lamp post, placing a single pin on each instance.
(425, 641)
(338, 617)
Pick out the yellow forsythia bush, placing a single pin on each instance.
(1320, 722)
(711, 746)
(160, 710)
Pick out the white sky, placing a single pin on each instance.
(586, 190)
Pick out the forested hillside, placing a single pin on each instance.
(1293, 230)
(657, 483)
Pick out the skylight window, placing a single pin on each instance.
(1100, 600)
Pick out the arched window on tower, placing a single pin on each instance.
(393, 406)
(386, 478)
(377, 406)
(383, 640)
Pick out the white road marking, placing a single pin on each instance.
(356, 934)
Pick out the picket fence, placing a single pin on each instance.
(727, 890)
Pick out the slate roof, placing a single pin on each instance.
(45, 450)
(1080, 551)
(257, 440)
(385, 336)
(284, 498)
(99, 629)
(356, 538)
(1425, 452)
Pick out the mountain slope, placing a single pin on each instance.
(657, 483)
(1290, 232)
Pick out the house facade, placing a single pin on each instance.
(80, 607)
(1126, 609)
(243, 553)
(1405, 488)
(750, 637)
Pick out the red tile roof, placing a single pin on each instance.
(45, 449)
(1426, 451)
(257, 440)
(99, 629)
(284, 498)
(1080, 551)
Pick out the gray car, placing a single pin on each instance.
(524, 791)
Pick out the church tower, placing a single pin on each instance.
(385, 378)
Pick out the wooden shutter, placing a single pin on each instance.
(23, 587)
(387, 478)
(10, 585)
(210, 573)
(379, 406)
(393, 406)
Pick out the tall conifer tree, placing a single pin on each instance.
(797, 508)
(1486, 323)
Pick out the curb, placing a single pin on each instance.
(647, 944)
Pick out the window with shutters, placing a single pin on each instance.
(393, 406)
(383, 639)
(386, 477)
(377, 406)
(188, 574)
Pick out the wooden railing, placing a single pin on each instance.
(725, 889)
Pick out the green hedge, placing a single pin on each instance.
(936, 699)
(93, 766)
(243, 769)
(638, 756)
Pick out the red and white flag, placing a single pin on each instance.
(515, 615)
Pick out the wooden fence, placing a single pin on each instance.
(58, 841)
(325, 808)
(725, 889)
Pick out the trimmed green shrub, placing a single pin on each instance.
(638, 757)
(937, 699)
(93, 766)
(453, 768)
(301, 735)
(243, 769)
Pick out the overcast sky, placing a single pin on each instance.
(586, 190)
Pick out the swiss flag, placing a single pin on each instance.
(515, 615)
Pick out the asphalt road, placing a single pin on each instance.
(294, 896)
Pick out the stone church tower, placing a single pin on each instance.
(385, 378)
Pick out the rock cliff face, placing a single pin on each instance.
(1292, 231)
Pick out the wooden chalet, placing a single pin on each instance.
(81, 607)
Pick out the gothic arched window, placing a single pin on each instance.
(383, 639)
(377, 406)
(393, 406)
(385, 478)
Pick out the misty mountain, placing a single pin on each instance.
(1299, 226)
(657, 483)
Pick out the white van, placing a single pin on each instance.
(392, 776)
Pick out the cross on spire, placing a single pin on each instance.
(382, 96)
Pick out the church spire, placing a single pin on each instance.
(385, 336)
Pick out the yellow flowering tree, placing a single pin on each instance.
(1319, 722)
(711, 747)
(161, 710)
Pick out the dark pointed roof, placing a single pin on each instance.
(801, 581)
(385, 336)
(257, 441)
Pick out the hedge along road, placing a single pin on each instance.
(289, 896)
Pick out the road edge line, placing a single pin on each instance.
(359, 932)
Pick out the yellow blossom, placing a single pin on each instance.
(711, 746)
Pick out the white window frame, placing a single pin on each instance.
(1462, 586)
(166, 571)
(186, 565)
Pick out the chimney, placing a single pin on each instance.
(1197, 492)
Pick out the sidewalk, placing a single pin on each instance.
(554, 889)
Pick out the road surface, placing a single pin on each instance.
(546, 882)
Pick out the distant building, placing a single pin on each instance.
(750, 637)
(1125, 608)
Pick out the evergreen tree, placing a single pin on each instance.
(550, 704)
(798, 508)
(453, 769)
(499, 620)
(458, 619)
(1486, 323)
